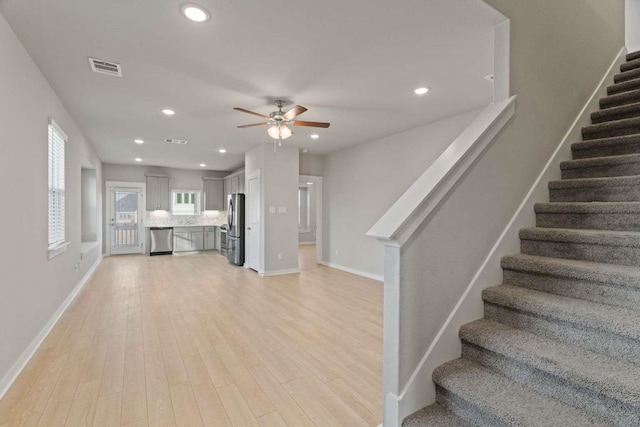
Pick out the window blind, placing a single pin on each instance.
(56, 185)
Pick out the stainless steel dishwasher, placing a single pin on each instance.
(161, 240)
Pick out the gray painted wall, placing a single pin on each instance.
(632, 25)
(32, 288)
(89, 211)
(559, 52)
(309, 236)
(311, 164)
(362, 182)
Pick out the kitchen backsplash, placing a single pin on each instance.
(164, 218)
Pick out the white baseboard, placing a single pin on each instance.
(24, 358)
(280, 272)
(420, 390)
(353, 271)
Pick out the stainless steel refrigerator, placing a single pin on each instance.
(235, 228)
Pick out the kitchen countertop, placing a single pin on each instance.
(185, 226)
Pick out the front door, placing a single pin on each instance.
(125, 221)
(253, 229)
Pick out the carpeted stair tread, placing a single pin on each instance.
(588, 315)
(613, 128)
(623, 165)
(633, 55)
(602, 147)
(627, 75)
(623, 86)
(621, 216)
(495, 400)
(570, 374)
(624, 98)
(609, 274)
(616, 113)
(613, 181)
(434, 416)
(614, 285)
(588, 207)
(630, 65)
(592, 237)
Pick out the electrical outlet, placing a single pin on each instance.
(280, 256)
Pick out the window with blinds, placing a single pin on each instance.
(57, 139)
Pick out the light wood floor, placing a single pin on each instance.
(193, 341)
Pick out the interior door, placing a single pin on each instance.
(126, 225)
(253, 229)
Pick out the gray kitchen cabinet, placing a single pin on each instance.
(234, 184)
(214, 199)
(226, 191)
(187, 239)
(157, 193)
(210, 238)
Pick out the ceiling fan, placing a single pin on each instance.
(279, 120)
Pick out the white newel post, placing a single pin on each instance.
(391, 348)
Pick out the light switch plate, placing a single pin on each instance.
(272, 209)
(282, 209)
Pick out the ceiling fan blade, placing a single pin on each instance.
(251, 112)
(252, 125)
(295, 111)
(311, 124)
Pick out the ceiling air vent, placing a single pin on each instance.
(175, 141)
(105, 67)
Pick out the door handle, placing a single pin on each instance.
(249, 228)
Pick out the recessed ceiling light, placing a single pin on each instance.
(202, 165)
(309, 183)
(138, 159)
(421, 90)
(168, 112)
(138, 141)
(315, 136)
(222, 150)
(195, 13)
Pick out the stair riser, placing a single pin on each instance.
(590, 401)
(629, 75)
(619, 100)
(611, 115)
(619, 296)
(621, 169)
(606, 151)
(592, 339)
(467, 410)
(618, 130)
(622, 255)
(631, 65)
(595, 194)
(599, 221)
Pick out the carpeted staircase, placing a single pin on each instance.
(560, 341)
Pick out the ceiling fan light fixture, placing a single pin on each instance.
(279, 132)
(195, 13)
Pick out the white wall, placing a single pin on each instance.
(362, 182)
(89, 209)
(309, 236)
(279, 173)
(33, 288)
(632, 25)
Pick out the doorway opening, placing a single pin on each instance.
(310, 218)
(124, 223)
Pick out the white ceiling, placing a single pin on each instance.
(353, 63)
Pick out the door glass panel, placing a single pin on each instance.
(126, 218)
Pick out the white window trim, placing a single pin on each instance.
(198, 202)
(57, 248)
